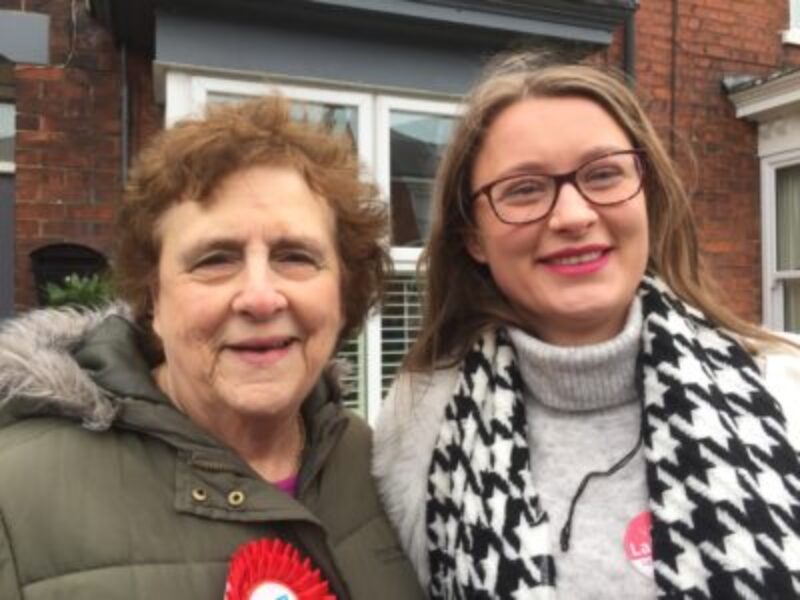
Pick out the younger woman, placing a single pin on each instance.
(580, 414)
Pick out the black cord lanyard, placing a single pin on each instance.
(566, 530)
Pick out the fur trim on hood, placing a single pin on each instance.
(38, 374)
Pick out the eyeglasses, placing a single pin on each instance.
(606, 180)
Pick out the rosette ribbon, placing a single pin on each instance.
(273, 570)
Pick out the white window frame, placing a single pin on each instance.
(792, 34)
(186, 95)
(8, 166)
(772, 287)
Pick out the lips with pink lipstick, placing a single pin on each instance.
(262, 351)
(579, 260)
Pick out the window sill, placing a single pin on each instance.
(791, 36)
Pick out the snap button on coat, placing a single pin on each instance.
(236, 498)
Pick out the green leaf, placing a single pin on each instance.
(79, 290)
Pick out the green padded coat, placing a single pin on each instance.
(108, 492)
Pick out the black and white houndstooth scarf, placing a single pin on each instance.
(724, 480)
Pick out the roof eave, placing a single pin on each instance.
(591, 22)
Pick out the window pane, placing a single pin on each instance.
(794, 14)
(7, 132)
(340, 119)
(787, 218)
(400, 321)
(219, 97)
(417, 141)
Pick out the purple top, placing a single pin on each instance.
(288, 485)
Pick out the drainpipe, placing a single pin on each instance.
(123, 112)
(629, 47)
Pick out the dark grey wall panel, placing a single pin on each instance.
(24, 37)
(395, 61)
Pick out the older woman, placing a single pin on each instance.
(580, 416)
(137, 452)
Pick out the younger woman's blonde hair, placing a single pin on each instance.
(460, 298)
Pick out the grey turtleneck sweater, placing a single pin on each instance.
(584, 415)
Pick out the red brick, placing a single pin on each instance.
(39, 138)
(79, 76)
(39, 73)
(66, 124)
(64, 193)
(26, 229)
(27, 184)
(67, 157)
(105, 163)
(76, 107)
(66, 229)
(29, 122)
(40, 212)
(27, 91)
(26, 157)
(96, 212)
(64, 90)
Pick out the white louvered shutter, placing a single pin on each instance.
(354, 382)
(400, 322)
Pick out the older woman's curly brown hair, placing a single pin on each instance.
(191, 159)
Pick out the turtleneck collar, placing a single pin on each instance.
(582, 378)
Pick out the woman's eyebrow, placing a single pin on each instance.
(541, 168)
(599, 151)
(209, 244)
(526, 167)
(303, 243)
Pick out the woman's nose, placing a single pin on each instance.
(572, 212)
(260, 295)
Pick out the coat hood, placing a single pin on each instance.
(39, 374)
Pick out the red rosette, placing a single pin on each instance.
(273, 570)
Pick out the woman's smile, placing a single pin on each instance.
(577, 261)
(262, 352)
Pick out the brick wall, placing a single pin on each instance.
(68, 139)
(684, 49)
(69, 135)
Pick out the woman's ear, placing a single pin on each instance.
(474, 245)
(154, 312)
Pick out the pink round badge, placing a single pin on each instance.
(638, 543)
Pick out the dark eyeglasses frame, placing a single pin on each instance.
(560, 179)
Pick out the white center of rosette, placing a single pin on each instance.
(272, 591)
